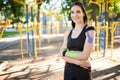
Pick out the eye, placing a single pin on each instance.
(72, 12)
(78, 11)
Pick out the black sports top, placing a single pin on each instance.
(77, 44)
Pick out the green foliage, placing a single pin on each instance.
(114, 10)
(15, 11)
(114, 7)
(47, 1)
(12, 10)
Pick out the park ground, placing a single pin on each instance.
(49, 66)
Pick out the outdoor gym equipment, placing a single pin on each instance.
(102, 27)
(29, 31)
(3, 26)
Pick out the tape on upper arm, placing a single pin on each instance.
(90, 39)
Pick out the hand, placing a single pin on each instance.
(84, 63)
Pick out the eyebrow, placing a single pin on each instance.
(76, 11)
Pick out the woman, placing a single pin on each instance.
(77, 45)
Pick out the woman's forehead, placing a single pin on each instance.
(76, 7)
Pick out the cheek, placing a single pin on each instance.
(71, 15)
(80, 14)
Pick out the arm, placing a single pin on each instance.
(83, 63)
(64, 46)
(88, 46)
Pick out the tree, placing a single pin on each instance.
(17, 11)
(11, 10)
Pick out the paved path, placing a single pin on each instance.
(6, 42)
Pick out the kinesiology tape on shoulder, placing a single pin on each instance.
(90, 39)
(71, 54)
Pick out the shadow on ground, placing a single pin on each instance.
(110, 73)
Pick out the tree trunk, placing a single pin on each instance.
(38, 19)
(38, 15)
(93, 13)
(64, 16)
(109, 25)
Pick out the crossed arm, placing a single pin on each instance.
(81, 57)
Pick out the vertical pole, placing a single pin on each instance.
(35, 49)
(112, 40)
(28, 45)
(106, 28)
(29, 48)
(2, 31)
(21, 43)
(100, 44)
(39, 25)
(34, 35)
(98, 38)
(48, 31)
(32, 17)
(31, 9)
(106, 36)
(27, 25)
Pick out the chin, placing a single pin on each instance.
(77, 21)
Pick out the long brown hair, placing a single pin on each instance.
(83, 9)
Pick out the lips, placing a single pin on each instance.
(75, 19)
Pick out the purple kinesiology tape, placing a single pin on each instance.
(90, 39)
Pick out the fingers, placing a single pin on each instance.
(85, 64)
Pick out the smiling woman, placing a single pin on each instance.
(77, 45)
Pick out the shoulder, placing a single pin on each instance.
(67, 32)
(90, 30)
(90, 27)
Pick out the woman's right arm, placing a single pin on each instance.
(64, 45)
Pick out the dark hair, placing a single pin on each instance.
(83, 9)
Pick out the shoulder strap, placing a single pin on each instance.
(84, 29)
(90, 28)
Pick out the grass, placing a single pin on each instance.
(6, 34)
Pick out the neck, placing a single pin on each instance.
(79, 26)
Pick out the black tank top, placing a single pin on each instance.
(77, 44)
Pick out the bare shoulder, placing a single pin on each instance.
(67, 32)
(89, 26)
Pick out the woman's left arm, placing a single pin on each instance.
(88, 47)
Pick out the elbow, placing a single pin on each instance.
(83, 57)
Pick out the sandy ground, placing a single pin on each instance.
(48, 66)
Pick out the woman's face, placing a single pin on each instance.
(77, 14)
